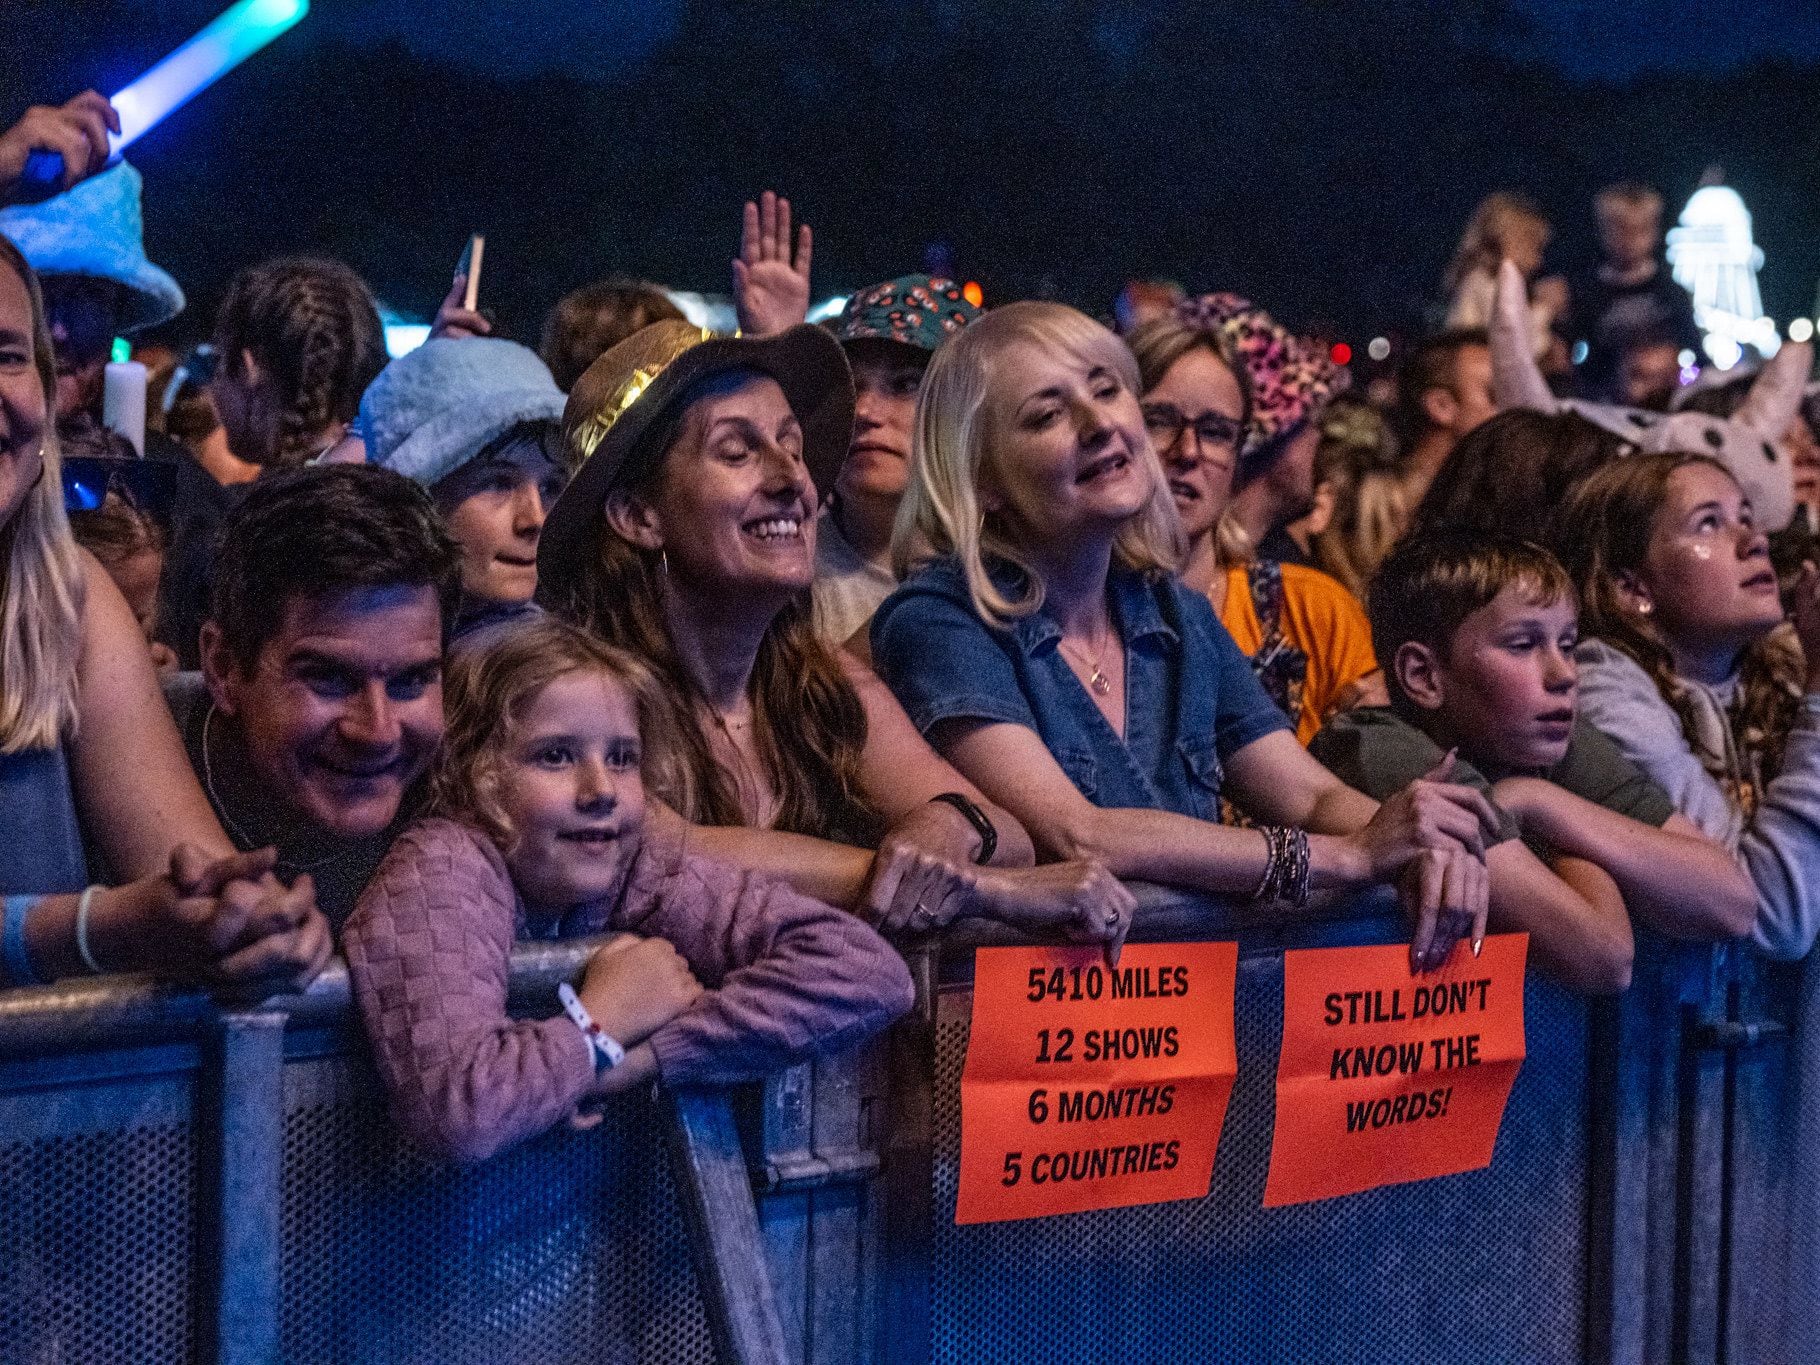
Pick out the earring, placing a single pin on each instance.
(1645, 607)
(663, 560)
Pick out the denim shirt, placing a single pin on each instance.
(1191, 701)
(41, 852)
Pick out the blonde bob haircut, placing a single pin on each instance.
(42, 587)
(952, 454)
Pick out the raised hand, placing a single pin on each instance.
(77, 131)
(455, 321)
(770, 285)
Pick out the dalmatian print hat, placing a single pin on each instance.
(1747, 443)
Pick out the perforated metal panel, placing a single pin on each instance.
(97, 1235)
(1490, 1265)
(570, 1248)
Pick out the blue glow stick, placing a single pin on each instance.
(228, 40)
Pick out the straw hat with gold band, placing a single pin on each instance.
(623, 397)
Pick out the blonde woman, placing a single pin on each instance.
(87, 747)
(1044, 645)
(1506, 226)
(1370, 505)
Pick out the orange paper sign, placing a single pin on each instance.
(1088, 1087)
(1387, 1077)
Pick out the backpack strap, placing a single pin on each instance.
(1279, 665)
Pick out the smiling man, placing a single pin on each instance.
(320, 702)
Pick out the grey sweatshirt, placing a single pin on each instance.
(1779, 846)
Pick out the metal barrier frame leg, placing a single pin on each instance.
(716, 1192)
(903, 1334)
(241, 1268)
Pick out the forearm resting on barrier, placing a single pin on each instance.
(226, 922)
(905, 888)
(1578, 930)
(1673, 879)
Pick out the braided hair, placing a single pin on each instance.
(313, 334)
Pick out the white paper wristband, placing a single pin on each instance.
(607, 1051)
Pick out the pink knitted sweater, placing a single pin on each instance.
(428, 949)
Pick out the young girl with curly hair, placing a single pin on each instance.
(541, 832)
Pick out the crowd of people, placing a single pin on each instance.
(757, 651)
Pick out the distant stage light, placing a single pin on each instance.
(1340, 353)
(974, 295)
(1725, 352)
(1801, 329)
(1379, 349)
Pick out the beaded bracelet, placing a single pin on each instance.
(1296, 881)
(1286, 866)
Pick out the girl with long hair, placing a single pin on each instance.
(1689, 664)
(299, 340)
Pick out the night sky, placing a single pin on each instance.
(1598, 40)
(1320, 155)
(1607, 40)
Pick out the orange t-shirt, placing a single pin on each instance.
(1321, 620)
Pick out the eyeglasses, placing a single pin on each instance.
(1213, 431)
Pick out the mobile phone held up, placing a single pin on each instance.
(469, 265)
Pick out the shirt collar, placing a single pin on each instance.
(1134, 604)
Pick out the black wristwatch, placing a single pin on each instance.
(981, 825)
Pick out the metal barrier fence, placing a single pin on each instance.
(1651, 1197)
(185, 1182)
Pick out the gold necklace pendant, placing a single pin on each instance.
(1097, 681)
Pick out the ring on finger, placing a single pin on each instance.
(1113, 917)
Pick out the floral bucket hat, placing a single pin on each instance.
(920, 311)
